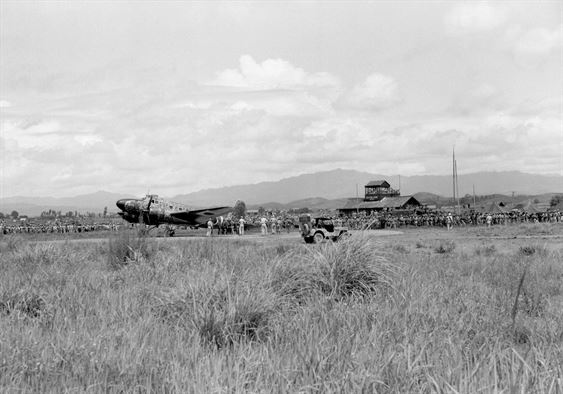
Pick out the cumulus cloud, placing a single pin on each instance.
(272, 74)
(378, 91)
(473, 17)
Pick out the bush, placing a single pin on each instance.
(352, 268)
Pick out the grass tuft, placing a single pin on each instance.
(125, 248)
(352, 268)
(11, 243)
(27, 303)
(239, 312)
(527, 250)
(485, 250)
(445, 247)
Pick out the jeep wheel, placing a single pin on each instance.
(318, 237)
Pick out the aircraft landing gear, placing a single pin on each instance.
(169, 231)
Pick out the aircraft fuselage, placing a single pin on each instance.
(154, 211)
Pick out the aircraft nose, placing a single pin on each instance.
(121, 204)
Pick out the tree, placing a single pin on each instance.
(14, 214)
(261, 211)
(1, 215)
(239, 210)
(105, 211)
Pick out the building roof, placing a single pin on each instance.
(531, 208)
(495, 208)
(382, 183)
(386, 202)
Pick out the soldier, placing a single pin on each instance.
(489, 219)
(264, 225)
(209, 227)
(241, 223)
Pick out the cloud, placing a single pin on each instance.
(272, 74)
(378, 92)
(535, 42)
(5, 104)
(474, 17)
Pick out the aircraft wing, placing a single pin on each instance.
(200, 216)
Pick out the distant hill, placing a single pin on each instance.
(322, 190)
(341, 183)
(33, 206)
(311, 203)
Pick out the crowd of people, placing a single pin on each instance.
(59, 227)
(268, 223)
(446, 219)
(285, 222)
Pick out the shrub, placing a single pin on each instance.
(527, 250)
(352, 268)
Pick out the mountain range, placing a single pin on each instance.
(313, 190)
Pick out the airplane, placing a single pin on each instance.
(154, 211)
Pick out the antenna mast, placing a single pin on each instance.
(457, 187)
(453, 173)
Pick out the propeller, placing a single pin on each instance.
(144, 216)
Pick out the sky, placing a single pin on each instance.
(174, 96)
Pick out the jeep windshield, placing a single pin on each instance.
(325, 223)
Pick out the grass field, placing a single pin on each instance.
(471, 310)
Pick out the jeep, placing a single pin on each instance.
(315, 230)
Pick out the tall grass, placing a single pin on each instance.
(220, 315)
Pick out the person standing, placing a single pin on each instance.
(489, 220)
(241, 223)
(264, 225)
(273, 224)
(209, 227)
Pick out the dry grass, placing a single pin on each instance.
(226, 315)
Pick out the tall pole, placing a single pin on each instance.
(456, 187)
(453, 173)
(473, 196)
